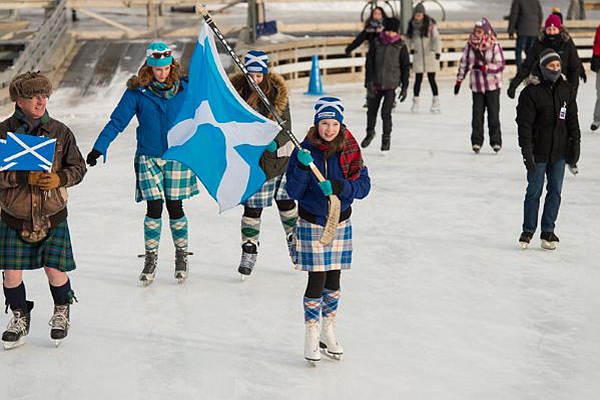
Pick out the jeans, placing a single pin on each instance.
(555, 172)
(523, 44)
(373, 101)
(491, 102)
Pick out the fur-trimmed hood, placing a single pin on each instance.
(277, 94)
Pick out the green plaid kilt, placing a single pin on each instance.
(274, 188)
(313, 256)
(53, 252)
(158, 179)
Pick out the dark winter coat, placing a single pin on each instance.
(564, 46)
(543, 135)
(28, 207)
(303, 186)
(369, 34)
(273, 164)
(389, 65)
(525, 17)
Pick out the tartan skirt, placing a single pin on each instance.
(158, 179)
(313, 256)
(274, 188)
(53, 252)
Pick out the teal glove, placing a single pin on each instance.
(326, 187)
(304, 157)
(272, 147)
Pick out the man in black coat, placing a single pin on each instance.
(549, 138)
(525, 20)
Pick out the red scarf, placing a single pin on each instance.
(351, 158)
(480, 44)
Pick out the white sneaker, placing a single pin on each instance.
(415, 105)
(435, 105)
(311, 342)
(328, 341)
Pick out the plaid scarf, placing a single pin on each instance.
(351, 157)
(480, 45)
(163, 90)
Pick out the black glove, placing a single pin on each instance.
(337, 186)
(457, 87)
(437, 56)
(92, 157)
(528, 159)
(403, 94)
(512, 91)
(347, 51)
(480, 67)
(595, 64)
(511, 35)
(582, 75)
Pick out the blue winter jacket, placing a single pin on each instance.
(155, 116)
(303, 186)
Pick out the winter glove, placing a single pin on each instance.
(573, 169)
(347, 51)
(480, 67)
(272, 147)
(595, 64)
(49, 180)
(511, 35)
(512, 91)
(304, 157)
(528, 159)
(582, 75)
(457, 87)
(92, 157)
(326, 187)
(403, 94)
(33, 177)
(438, 56)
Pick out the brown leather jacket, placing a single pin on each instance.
(26, 207)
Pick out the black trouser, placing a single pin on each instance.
(318, 281)
(491, 102)
(432, 83)
(373, 101)
(174, 207)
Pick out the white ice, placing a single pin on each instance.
(441, 302)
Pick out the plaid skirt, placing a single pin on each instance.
(158, 179)
(53, 252)
(274, 188)
(314, 257)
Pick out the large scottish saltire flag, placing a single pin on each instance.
(216, 133)
(21, 152)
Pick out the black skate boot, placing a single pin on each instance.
(385, 142)
(150, 263)
(525, 239)
(181, 264)
(18, 328)
(60, 322)
(291, 243)
(368, 139)
(249, 255)
(549, 240)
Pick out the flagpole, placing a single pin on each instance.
(333, 216)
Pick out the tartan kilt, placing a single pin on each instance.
(158, 179)
(53, 252)
(313, 256)
(274, 188)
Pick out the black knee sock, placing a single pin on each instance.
(16, 297)
(62, 295)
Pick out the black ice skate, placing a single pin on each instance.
(60, 323)
(249, 256)
(525, 239)
(150, 263)
(549, 240)
(476, 148)
(368, 139)
(181, 264)
(18, 328)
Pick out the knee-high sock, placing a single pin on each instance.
(312, 309)
(250, 229)
(16, 297)
(288, 220)
(63, 295)
(179, 232)
(331, 299)
(152, 228)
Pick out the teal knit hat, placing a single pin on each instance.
(158, 54)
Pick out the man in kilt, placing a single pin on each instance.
(273, 162)
(34, 232)
(333, 149)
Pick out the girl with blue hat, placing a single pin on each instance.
(333, 149)
(274, 160)
(155, 95)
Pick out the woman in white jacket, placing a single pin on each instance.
(426, 46)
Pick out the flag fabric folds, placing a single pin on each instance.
(20, 152)
(217, 134)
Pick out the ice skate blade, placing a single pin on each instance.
(548, 245)
(14, 345)
(524, 245)
(333, 356)
(180, 277)
(57, 342)
(384, 153)
(145, 281)
(312, 362)
(244, 278)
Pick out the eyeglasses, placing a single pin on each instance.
(159, 55)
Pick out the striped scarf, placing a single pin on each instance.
(164, 90)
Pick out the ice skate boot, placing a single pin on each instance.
(17, 328)
(150, 263)
(328, 342)
(385, 143)
(291, 244)
(496, 148)
(311, 342)
(549, 240)
(368, 139)
(181, 264)
(249, 256)
(525, 239)
(476, 148)
(415, 106)
(436, 107)
(60, 323)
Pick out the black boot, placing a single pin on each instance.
(18, 327)
(385, 142)
(367, 140)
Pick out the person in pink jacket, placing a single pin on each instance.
(484, 59)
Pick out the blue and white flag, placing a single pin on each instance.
(21, 152)
(217, 134)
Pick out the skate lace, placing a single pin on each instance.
(17, 324)
(149, 262)
(181, 260)
(248, 260)
(60, 319)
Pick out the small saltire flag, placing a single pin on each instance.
(217, 134)
(21, 152)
